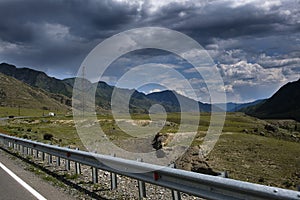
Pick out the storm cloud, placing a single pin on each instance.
(257, 37)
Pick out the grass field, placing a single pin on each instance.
(258, 159)
(241, 150)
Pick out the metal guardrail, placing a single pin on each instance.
(200, 185)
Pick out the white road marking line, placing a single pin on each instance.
(25, 185)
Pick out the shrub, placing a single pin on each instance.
(48, 136)
(25, 136)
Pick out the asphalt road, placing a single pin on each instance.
(11, 189)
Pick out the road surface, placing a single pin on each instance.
(11, 189)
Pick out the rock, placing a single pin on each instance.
(261, 180)
(160, 140)
(192, 161)
(245, 131)
(262, 133)
(160, 153)
(270, 127)
(203, 168)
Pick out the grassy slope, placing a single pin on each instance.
(62, 129)
(284, 104)
(15, 93)
(258, 159)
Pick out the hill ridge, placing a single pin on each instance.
(15, 93)
(139, 102)
(285, 104)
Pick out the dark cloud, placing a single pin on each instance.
(220, 19)
(55, 36)
(87, 19)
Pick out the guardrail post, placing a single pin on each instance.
(27, 151)
(95, 175)
(67, 163)
(141, 185)
(31, 151)
(77, 166)
(175, 194)
(22, 149)
(43, 156)
(57, 161)
(36, 153)
(113, 179)
(49, 161)
(49, 158)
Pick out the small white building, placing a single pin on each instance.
(51, 114)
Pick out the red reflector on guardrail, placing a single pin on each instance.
(156, 176)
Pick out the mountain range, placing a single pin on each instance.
(283, 104)
(139, 102)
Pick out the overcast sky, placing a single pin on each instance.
(255, 44)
